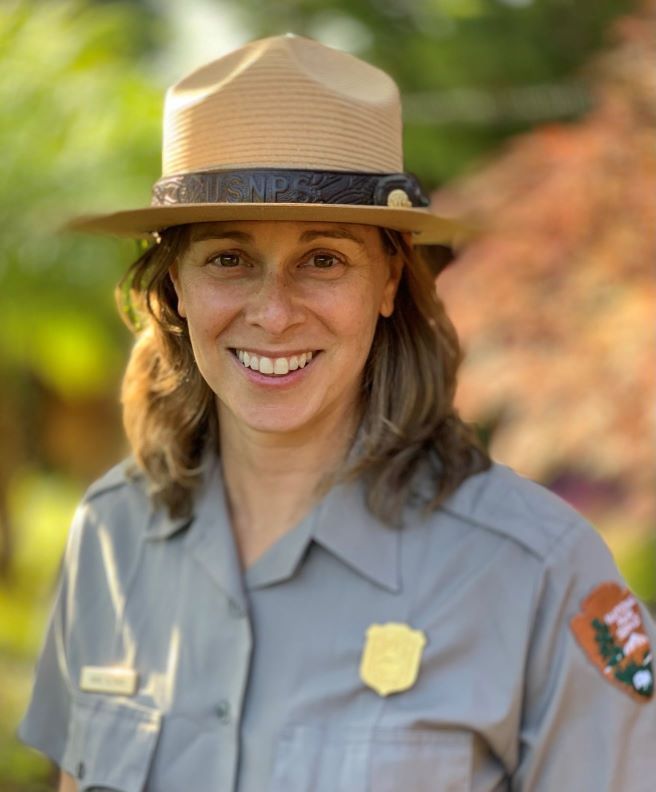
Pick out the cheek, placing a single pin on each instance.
(208, 307)
(353, 319)
(208, 314)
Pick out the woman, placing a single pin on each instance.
(309, 576)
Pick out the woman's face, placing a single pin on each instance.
(282, 315)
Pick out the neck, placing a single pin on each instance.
(273, 480)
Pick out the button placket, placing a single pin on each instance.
(223, 711)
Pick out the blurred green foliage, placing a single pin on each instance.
(42, 506)
(79, 130)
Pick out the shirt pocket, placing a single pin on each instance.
(421, 761)
(314, 759)
(110, 744)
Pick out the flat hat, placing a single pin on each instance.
(283, 128)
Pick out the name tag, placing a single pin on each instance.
(100, 679)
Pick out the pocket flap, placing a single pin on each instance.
(421, 761)
(377, 759)
(111, 744)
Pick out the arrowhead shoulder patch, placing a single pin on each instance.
(610, 630)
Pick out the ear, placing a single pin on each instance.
(174, 275)
(395, 265)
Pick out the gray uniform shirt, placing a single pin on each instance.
(251, 681)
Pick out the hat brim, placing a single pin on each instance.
(427, 228)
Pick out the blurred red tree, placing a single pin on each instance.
(555, 297)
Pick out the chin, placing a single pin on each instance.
(296, 412)
(279, 429)
(276, 423)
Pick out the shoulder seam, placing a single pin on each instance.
(571, 532)
(543, 555)
(96, 492)
(566, 528)
(122, 475)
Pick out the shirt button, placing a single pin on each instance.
(235, 610)
(223, 710)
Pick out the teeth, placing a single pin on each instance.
(276, 366)
(280, 366)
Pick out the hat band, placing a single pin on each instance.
(279, 186)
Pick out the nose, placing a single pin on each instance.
(273, 305)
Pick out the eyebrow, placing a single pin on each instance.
(338, 232)
(334, 233)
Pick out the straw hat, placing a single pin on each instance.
(284, 128)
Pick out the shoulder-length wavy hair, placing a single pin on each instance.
(413, 443)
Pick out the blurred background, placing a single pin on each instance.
(534, 118)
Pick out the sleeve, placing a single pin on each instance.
(45, 723)
(589, 713)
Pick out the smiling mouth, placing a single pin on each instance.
(274, 367)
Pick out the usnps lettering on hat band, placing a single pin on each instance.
(275, 185)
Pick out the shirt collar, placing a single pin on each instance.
(209, 541)
(282, 559)
(346, 527)
(341, 523)
(162, 526)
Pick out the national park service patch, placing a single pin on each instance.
(610, 630)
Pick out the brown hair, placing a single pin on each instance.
(414, 444)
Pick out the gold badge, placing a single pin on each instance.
(391, 657)
(112, 679)
(399, 198)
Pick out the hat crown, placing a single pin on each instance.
(286, 102)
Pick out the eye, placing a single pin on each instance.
(324, 261)
(226, 260)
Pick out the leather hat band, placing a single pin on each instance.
(275, 185)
